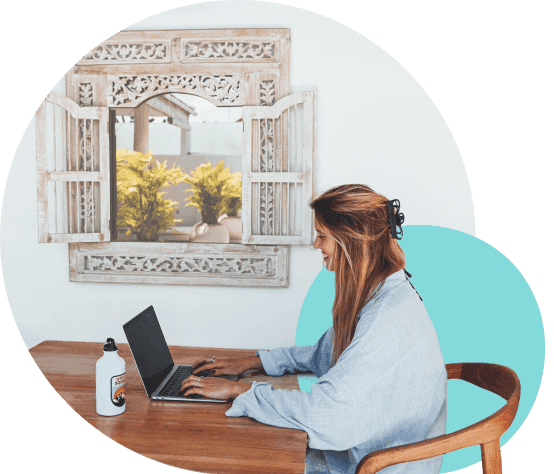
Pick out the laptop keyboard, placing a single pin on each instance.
(173, 385)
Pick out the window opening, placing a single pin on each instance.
(183, 133)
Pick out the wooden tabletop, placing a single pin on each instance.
(192, 435)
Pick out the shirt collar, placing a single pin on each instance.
(391, 281)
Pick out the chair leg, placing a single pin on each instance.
(490, 455)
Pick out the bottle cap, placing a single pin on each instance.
(110, 345)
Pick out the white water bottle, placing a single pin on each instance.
(110, 381)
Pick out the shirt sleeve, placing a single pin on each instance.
(314, 358)
(388, 385)
(316, 412)
(328, 413)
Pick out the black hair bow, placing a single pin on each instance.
(396, 219)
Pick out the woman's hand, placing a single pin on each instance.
(226, 366)
(212, 387)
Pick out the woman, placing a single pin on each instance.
(382, 379)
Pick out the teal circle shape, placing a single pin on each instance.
(483, 311)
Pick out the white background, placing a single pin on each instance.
(375, 123)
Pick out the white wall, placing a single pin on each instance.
(165, 139)
(379, 127)
(224, 138)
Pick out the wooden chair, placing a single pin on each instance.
(494, 378)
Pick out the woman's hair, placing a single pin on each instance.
(357, 219)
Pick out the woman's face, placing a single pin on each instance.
(327, 245)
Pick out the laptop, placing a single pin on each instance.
(160, 376)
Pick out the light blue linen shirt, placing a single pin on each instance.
(388, 387)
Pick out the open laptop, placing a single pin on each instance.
(160, 376)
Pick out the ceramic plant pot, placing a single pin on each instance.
(213, 233)
(233, 226)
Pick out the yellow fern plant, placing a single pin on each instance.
(212, 189)
(232, 195)
(142, 208)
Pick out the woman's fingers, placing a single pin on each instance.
(190, 382)
(208, 366)
(209, 387)
(222, 369)
(219, 366)
(192, 391)
(200, 362)
(192, 385)
(199, 368)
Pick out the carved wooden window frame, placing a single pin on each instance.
(242, 67)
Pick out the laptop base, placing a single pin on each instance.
(195, 397)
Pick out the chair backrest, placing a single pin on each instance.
(498, 379)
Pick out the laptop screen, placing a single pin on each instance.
(149, 349)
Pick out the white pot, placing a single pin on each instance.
(215, 233)
(233, 226)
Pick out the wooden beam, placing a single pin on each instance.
(179, 103)
(141, 139)
(73, 175)
(164, 106)
(183, 125)
(171, 109)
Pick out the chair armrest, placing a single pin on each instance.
(483, 432)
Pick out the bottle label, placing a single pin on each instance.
(118, 390)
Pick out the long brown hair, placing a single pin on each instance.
(356, 218)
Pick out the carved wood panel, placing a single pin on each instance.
(130, 91)
(202, 265)
(279, 146)
(86, 194)
(266, 50)
(232, 67)
(267, 92)
(227, 66)
(129, 52)
(71, 155)
(86, 94)
(180, 264)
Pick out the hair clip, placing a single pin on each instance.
(396, 219)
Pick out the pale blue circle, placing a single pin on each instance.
(483, 311)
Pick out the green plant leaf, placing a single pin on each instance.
(141, 206)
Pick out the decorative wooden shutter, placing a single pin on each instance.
(73, 180)
(277, 178)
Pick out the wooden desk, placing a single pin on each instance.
(191, 435)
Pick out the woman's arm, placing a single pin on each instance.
(227, 366)
(314, 358)
(354, 404)
(387, 387)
